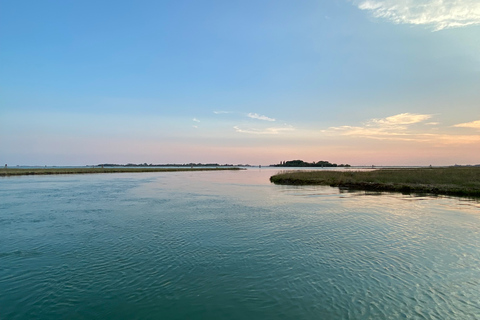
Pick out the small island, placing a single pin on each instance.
(457, 181)
(301, 163)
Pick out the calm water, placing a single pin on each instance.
(229, 245)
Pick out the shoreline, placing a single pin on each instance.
(9, 172)
(438, 181)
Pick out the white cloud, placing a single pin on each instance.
(221, 112)
(402, 119)
(404, 127)
(473, 124)
(196, 120)
(378, 133)
(438, 14)
(275, 130)
(394, 127)
(259, 117)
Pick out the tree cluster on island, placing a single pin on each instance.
(301, 163)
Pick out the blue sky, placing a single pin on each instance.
(393, 82)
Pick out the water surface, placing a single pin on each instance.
(228, 244)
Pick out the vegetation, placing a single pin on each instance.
(301, 163)
(46, 171)
(460, 181)
(165, 165)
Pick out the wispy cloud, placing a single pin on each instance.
(473, 124)
(437, 14)
(454, 139)
(222, 112)
(275, 130)
(393, 127)
(407, 127)
(401, 119)
(377, 133)
(259, 117)
(196, 120)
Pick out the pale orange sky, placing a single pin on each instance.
(384, 82)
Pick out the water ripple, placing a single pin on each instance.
(195, 246)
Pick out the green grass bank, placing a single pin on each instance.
(458, 181)
(5, 172)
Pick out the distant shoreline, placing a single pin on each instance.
(457, 181)
(7, 172)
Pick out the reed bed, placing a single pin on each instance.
(460, 181)
(89, 170)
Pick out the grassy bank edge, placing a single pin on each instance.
(437, 181)
(52, 171)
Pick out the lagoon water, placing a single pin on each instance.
(230, 245)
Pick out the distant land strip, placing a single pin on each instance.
(49, 171)
(457, 181)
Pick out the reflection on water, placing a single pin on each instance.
(231, 245)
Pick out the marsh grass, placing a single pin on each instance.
(49, 171)
(463, 181)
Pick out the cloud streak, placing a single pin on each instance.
(266, 131)
(402, 119)
(259, 117)
(392, 128)
(437, 14)
(407, 127)
(473, 124)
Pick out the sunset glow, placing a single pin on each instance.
(361, 82)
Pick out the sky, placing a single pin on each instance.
(363, 82)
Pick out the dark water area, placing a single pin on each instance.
(230, 245)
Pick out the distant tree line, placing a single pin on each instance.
(167, 165)
(301, 163)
